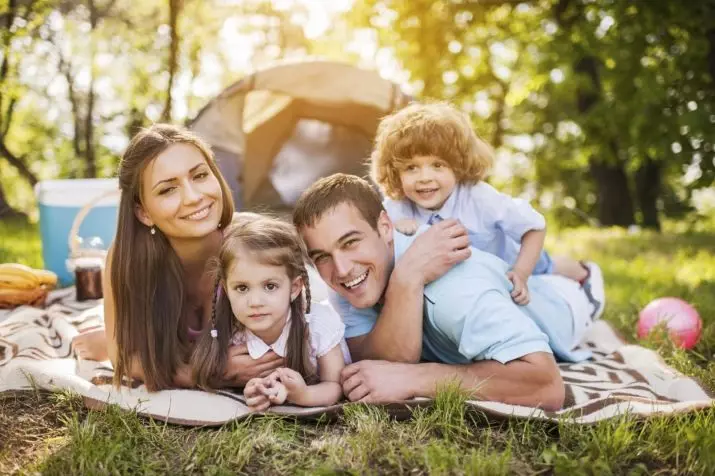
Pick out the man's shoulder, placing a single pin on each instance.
(402, 241)
(478, 274)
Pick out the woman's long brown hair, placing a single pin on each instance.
(147, 276)
(275, 243)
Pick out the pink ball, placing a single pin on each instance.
(681, 319)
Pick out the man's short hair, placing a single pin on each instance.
(433, 129)
(329, 192)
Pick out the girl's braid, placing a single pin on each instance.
(306, 285)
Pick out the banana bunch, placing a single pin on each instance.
(20, 277)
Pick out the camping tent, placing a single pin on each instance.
(279, 129)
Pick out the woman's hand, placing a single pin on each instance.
(241, 368)
(91, 344)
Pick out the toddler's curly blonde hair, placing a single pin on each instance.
(433, 129)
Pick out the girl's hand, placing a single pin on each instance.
(520, 293)
(255, 394)
(274, 390)
(406, 226)
(293, 382)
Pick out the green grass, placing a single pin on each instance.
(55, 434)
(20, 242)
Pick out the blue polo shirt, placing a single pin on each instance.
(469, 314)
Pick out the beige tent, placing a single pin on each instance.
(279, 129)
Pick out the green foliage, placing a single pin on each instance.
(522, 70)
(20, 243)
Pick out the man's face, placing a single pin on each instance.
(353, 258)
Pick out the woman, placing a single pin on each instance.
(157, 298)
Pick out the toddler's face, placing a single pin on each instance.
(428, 181)
(260, 295)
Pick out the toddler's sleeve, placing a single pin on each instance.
(514, 216)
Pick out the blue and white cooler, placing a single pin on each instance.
(96, 201)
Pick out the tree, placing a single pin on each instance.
(17, 20)
(615, 97)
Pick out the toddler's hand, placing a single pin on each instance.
(255, 395)
(520, 293)
(406, 226)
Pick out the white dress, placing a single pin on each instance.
(326, 330)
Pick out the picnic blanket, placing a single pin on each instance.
(35, 351)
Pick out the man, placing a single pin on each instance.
(433, 297)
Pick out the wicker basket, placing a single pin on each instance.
(73, 239)
(11, 298)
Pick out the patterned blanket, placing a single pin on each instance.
(35, 351)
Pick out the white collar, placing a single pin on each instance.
(257, 347)
(447, 210)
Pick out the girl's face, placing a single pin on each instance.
(180, 195)
(427, 181)
(260, 294)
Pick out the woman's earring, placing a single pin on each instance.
(219, 225)
(152, 231)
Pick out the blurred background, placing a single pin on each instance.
(602, 111)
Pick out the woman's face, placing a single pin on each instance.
(180, 195)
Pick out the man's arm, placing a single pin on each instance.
(397, 334)
(533, 380)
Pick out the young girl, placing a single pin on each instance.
(430, 164)
(262, 300)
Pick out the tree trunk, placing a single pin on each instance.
(89, 152)
(18, 163)
(174, 11)
(6, 211)
(711, 53)
(648, 184)
(615, 206)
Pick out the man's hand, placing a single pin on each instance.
(435, 251)
(520, 293)
(240, 367)
(377, 381)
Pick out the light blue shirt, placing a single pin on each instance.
(469, 315)
(496, 222)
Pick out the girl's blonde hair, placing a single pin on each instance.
(434, 129)
(276, 243)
